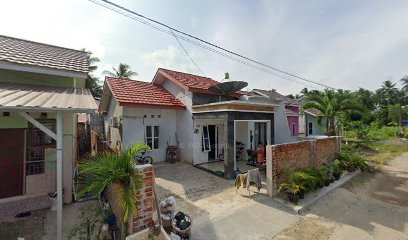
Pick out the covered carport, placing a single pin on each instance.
(29, 103)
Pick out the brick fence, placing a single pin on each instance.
(298, 155)
(144, 201)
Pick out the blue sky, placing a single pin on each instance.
(344, 44)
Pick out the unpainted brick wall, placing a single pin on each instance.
(325, 150)
(302, 154)
(144, 201)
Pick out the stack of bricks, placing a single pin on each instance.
(144, 200)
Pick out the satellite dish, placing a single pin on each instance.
(226, 88)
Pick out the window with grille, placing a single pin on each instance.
(36, 144)
(152, 137)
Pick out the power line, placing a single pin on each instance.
(192, 60)
(130, 14)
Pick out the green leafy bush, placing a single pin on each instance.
(350, 161)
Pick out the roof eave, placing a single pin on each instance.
(42, 70)
(42, 109)
(157, 106)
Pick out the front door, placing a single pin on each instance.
(11, 162)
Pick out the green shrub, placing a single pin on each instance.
(317, 174)
(350, 161)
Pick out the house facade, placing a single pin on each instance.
(177, 109)
(42, 88)
(291, 108)
(308, 123)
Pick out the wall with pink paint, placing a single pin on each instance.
(293, 120)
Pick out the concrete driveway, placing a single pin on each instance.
(217, 211)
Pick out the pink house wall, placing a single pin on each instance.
(293, 120)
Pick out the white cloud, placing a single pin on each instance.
(171, 58)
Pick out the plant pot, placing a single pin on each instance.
(302, 194)
(293, 198)
(336, 176)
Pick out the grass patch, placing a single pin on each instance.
(385, 152)
(378, 152)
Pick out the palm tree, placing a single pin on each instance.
(388, 90)
(91, 82)
(332, 106)
(404, 81)
(123, 71)
(115, 170)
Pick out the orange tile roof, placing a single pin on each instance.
(193, 83)
(141, 94)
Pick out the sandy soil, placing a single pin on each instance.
(368, 207)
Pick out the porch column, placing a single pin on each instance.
(59, 174)
(229, 154)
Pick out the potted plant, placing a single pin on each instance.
(336, 169)
(306, 181)
(317, 174)
(292, 191)
(326, 175)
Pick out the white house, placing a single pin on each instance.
(178, 109)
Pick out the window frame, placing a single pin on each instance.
(153, 136)
(206, 138)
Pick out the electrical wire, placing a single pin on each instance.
(192, 60)
(202, 45)
(129, 13)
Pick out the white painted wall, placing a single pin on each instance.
(282, 133)
(134, 123)
(184, 121)
(114, 110)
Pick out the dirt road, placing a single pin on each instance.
(369, 207)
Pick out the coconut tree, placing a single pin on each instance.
(123, 71)
(91, 82)
(115, 170)
(332, 105)
(404, 82)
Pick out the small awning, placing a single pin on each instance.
(28, 97)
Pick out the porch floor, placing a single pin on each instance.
(241, 165)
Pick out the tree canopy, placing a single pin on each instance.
(122, 71)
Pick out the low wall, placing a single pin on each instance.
(12, 206)
(298, 155)
(144, 198)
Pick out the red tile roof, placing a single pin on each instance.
(193, 83)
(141, 94)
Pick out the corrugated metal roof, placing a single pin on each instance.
(43, 55)
(37, 97)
